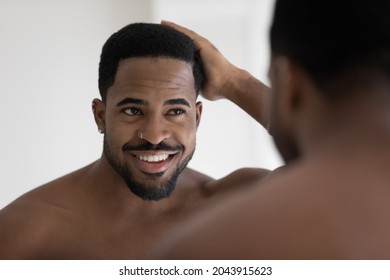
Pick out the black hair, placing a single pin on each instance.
(331, 38)
(146, 40)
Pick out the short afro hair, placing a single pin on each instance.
(146, 40)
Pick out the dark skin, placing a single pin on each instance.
(330, 201)
(91, 213)
(78, 217)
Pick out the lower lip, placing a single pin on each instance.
(153, 167)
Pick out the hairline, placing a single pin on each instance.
(152, 57)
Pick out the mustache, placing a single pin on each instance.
(146, 146)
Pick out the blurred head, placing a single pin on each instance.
(149, 79)
(341, 45)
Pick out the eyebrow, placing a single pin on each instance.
(176, 101)
(130, 100)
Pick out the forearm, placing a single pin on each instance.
(249, 94)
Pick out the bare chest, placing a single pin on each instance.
(127, 237)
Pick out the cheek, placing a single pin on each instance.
(186, 133)
(113, 142)
(118, 134)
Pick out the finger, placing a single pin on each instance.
(180, 28)
(199, 41)
(193, 35)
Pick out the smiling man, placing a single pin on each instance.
(119, 206)
(150, 123)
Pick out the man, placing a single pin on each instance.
(330, 119)
(119, 206)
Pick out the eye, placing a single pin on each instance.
(176, 112)
(132, 111)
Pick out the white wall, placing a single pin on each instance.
(49, 55)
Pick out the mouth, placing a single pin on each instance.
(152, 158)
(151, 163)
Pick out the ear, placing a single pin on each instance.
(287, 83)
(199, 108)
(99, 113)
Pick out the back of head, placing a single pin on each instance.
(334, 40)
(146, 40)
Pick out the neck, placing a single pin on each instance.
(106, 175)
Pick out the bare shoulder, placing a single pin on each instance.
(192, 180)
(237, 180)
(260, 223)
(25, 225)
(305, 212)
(31, 220)
(190, 175)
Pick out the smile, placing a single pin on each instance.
(151, 162)
(152, 158)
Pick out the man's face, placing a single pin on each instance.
(151, 118)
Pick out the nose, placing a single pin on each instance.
(154, 130)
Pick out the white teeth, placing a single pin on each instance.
(155, 158)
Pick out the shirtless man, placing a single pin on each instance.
(330, 119)
(149, 79)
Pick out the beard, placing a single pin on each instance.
(143, 190)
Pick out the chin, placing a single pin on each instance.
(154, 191)
(151, 186)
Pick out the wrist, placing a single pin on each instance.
(235, 84)
(248, 93)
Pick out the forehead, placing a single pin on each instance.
(153, 78)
